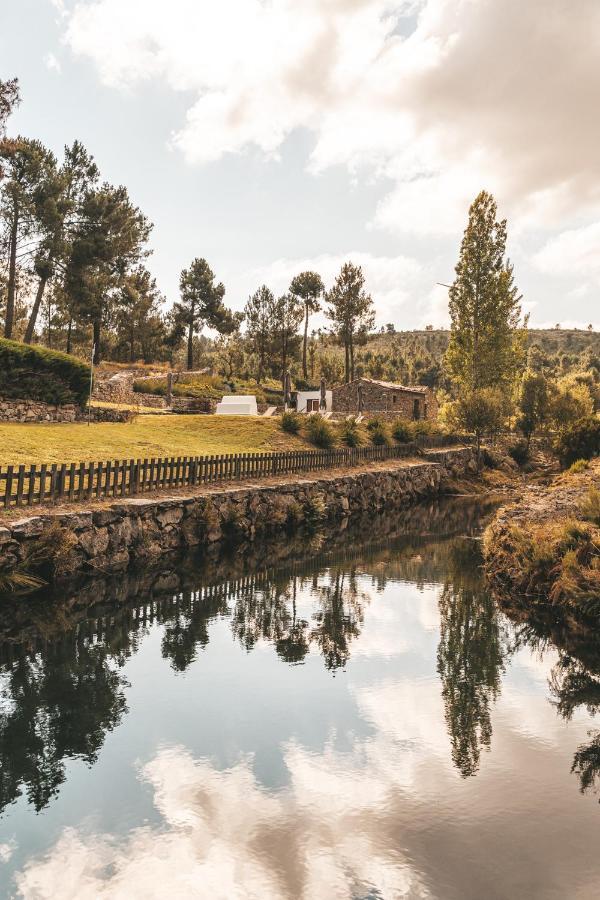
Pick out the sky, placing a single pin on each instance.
(272, 136)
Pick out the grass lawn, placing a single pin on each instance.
(144, 437)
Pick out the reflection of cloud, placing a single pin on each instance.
(6, 851)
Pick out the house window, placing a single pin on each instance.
(394, 398)
(416, 410)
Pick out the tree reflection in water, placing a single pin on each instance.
(471, 658)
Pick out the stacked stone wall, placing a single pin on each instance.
(36, 411)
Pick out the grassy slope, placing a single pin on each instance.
(145, 437)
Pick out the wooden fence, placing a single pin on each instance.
(28, 485)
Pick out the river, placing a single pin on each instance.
(347, 716)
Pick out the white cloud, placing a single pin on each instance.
(52, 62)
(572, 253)
(478, 94)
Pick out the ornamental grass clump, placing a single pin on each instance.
(319, 432)
(589, 507)
(350, 433)
(579, 466)
(291, 422)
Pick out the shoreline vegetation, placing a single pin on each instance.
(543, 551)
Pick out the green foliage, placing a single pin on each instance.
(291, 422)
(376, 423)
(308, 288)
(350, 433)
(380, 435)
(350, 309)
(402, 431)
(319, 431)
(36, 373)
(590, 505)
(580, 440)
(519, 452)
(533, 404)
(201, 305)
(579, 466)
(314, 511)
(478, 412)
(484, 350)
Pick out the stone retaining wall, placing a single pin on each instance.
(109, 537)
(36, 411)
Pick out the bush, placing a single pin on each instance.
(580, 465)
(519, 452)
(590, 507)
(402, 431)
(36, 373)
(380, 436)
(291, 422)
(376, 423)
(319, 432)
(581, 440)
(350, 433)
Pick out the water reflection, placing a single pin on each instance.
(366, 809)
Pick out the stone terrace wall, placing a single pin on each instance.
(36, 411)
(108, 538)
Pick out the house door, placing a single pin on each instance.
(312, 406)
(416, 410)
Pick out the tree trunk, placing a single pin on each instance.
(35, 309)
(351, 358)
(132, 347)
(347, 362)
(190, 347)
(304, 345)
(12, 274)
(69, 330)
(97, 355)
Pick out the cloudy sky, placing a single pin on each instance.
(274, 135)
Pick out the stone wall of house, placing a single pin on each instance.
(383, 400)
(109, 537)
(36, 411)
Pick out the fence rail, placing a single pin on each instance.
(53, 483)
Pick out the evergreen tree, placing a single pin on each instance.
(308, 287)
(201, 305)
(287, 315)
(9, 97)
(108, 242)
(259, 314)
(350, 311)
(140, 328)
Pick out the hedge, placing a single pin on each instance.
(35, 373)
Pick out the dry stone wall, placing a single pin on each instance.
(108, 538)
(36, 411)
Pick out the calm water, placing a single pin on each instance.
(299, 720)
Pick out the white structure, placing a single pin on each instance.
(237, 405)
(309, 401)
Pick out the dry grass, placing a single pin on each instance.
(144, 437)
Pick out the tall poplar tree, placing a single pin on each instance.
(308, 287)
(350, 311)
(485, 350)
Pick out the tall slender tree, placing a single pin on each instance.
(308, 287)
(201, 305)
(350, 309)
(287, 315)
(259, 314)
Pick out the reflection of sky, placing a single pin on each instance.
(247, 777)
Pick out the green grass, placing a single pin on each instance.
(144, 437)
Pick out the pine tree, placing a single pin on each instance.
(287, 315)
(201, 305)
(308, 287)
(350, 311)
(259, 314)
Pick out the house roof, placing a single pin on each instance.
(413, 389)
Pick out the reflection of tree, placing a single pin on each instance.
(339, 617)
(470, 660)
(57, 704)
(186, 625)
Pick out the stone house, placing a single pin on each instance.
(365, 396)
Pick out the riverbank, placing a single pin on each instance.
(544, 549)
(108, 537)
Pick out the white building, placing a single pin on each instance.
(310, 401)
(237, 405)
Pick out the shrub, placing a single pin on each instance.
(36, 373)
(319, 432)
(315, 511)
(291, 422)
(590, 506)
(519, 452)
(376, 423)
(380, 436)
(350, 433)
(581, 440)
(580, 465)
(402, 431)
